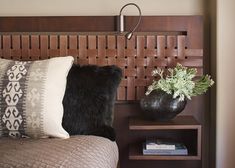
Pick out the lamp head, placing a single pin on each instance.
(129, 35)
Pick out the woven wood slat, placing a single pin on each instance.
(53, 42)
(130, 83)
(73, 42)
(16, 43)
(54, 45)
(191, 62)
(102, 62)
(137, 57)
(181, 46)
(25, 47)
(140, 64)
(140, 83)
(121, 62)
(101, 46)
(91, 42)
(130, 56)
(160, 62)
(172, 61)
(194, 52)
(111, 46)
(171, 45)
(171, 42)
(131, 43)
(35, 52)
(151, 42)
(131, 88)
(150, 52)
(161, 46)
(82, 45)
(44, 46)
(121, 46)
(6, 46)
(140, 90)
(121, 91)
(123, 83)
(82, 61)
(111, 39)
(130, 52)
(111, 61)
(140, 46)
(63, 45)
(73, 47)
(92, 52)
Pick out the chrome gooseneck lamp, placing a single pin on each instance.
(121, 21)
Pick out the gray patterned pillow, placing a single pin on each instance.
(31, 94)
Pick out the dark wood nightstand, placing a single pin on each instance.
(185, 129)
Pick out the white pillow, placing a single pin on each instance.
(31, 95)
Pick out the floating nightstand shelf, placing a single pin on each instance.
(190, 135)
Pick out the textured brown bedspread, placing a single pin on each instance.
(77, 151)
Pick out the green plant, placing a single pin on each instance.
(179, 82)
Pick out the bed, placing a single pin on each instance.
(77, 151)
(160, 41)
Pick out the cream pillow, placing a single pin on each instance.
(31, 95)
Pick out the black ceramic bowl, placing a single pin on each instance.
(160, 106)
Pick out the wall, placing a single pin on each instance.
(225, 84)
(98, 7)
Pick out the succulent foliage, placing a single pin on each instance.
(180, 82)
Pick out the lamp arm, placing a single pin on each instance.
(137, 23)
(140, 16)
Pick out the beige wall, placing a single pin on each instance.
(97, 7)
(225, 84)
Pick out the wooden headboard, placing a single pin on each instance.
(160, 41)
(159, 44)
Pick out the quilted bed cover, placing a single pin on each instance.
(76, 152)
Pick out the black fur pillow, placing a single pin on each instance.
(89, 100)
